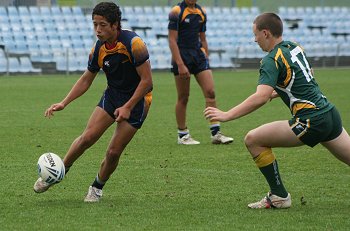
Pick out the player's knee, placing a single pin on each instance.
(112, 155)
(87, 140)
(183, 99)
(210, 95)
(249, 140)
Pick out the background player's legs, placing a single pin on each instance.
(183, 92)
(206, 82)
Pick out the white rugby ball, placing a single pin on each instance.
(51, 168)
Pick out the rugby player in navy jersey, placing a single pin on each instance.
(189, 48)
(124, 58)
(286, 73)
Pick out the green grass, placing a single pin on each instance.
(158, 184)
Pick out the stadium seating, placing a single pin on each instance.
(323, 32)
(26, 66)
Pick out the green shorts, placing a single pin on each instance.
(316, 129)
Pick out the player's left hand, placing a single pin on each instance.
(121, 113)
(274, 95)
(214, 114)
(54, 107)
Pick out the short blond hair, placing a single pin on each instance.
(271, 22)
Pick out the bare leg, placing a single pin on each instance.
(340, 147)
(183, 92)
(121, 137)
(275, 134)
(206, 82)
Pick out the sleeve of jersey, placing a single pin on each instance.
(93, 59)
(139, 51)
(204, 25)
(268, 73)
(174, 18)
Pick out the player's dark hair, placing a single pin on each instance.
(110, 11)
(271, 22)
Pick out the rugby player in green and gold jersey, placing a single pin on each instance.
(286, 73)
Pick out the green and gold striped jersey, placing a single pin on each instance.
(288, 71)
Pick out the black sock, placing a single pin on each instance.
(98, 183)
(67, 169)
(182, 132)
(214, 129)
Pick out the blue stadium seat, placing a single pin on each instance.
(66, 11)
(14, 65)
(55, 10)
(26, 66)
(76, 10)
(34, 10)
(23, 10)
(61, 64)
(214, 60)
(3, 64)
(67, 26)
(3, 11)
(12, 10)
(45, 11)
(148, 10)
(226, 60)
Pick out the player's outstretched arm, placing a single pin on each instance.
(79, 88)
(253, 102)
(52, 108)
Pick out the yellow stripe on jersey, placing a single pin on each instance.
(299, 106)
(265, 158)
(119, 48)
(148, 99)
(279, 54)
(189, 11)
(175, 11)
(138, 49)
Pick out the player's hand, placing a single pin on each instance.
(54, 107)
(214, 114)
(122, 113)
(183, 71)
(274, 95)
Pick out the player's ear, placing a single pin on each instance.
(115, 26)
(267, 33)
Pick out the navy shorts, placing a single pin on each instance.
(316, 129)
(194, 59)
(113, 99)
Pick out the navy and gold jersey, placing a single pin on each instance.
(119, 63)
(188, 22)
(288, 71)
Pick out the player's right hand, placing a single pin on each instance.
(183, 71)
(54, 107)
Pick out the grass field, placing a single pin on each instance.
(160, 185)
